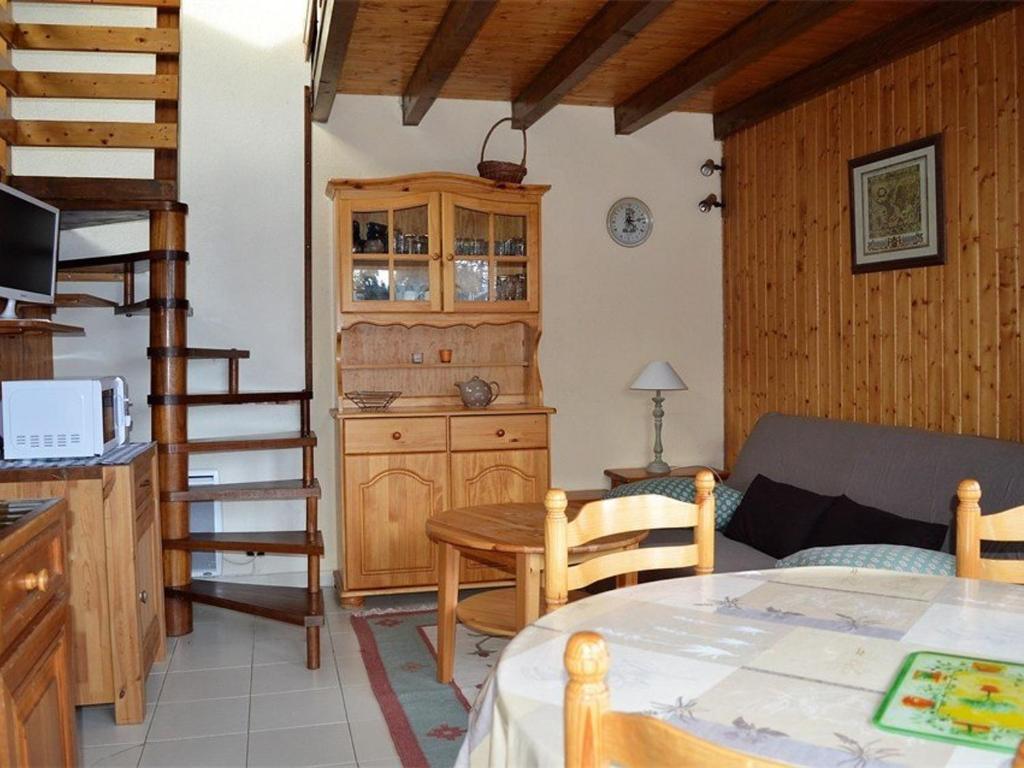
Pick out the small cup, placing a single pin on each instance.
(417, 358)
(444, 355)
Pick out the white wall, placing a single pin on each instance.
(607, 310)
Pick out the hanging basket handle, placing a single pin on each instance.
(488, 137)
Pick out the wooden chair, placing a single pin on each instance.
(972, 528)
(596, 737)
(628, 513)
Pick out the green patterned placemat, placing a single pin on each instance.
(976, 702)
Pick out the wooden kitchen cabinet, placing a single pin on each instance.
(452, 272)
(37, 717)
(115, 570)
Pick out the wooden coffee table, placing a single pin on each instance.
(510, 537)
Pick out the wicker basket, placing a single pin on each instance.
(500, 170)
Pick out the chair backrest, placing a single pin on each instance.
(972, 528)
(608, 517)
(596, 737)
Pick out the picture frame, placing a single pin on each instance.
(896, 208)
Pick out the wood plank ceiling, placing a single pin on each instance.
(644, 57)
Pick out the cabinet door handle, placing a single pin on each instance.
(436, 257)
(450, 257)
(396, 435)
(500, 433)
(143, 597)
(36, 581)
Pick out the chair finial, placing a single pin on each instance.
(556, 501)
(704, 482)
(586, 657)
(969, 490)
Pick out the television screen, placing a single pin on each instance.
(28, 245)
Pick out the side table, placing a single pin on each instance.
(633, 474)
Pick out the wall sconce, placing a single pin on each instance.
(709, 167)
(709, 202)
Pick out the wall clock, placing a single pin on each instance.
(629, 222)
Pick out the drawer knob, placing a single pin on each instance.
(500, 433)
(143, 597)
(396, 435)
(36, 581)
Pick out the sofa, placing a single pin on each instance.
(910, 472)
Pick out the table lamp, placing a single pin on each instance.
(658, 376)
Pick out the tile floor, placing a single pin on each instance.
(236, 692)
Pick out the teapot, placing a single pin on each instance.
(477, 393)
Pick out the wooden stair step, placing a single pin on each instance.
(266, 442)
(99, 135)
(95, 85)
(294, 605)
(263, 490)
(198, 353)
(96, 39)
(140, 260)
(226, 398)
(82, 300)
(82, 213)
(277, 542)
(68, 188)
(145, 306)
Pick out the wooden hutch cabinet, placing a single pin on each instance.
(426, 263)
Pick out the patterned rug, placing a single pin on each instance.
(427, 719)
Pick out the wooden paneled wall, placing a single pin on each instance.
(936, 347)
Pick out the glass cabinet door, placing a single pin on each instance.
(391, 254)
(490, 255)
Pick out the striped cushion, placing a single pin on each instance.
(890, 557)
(682, 488)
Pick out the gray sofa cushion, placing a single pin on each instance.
(909, 472)
(730, 556)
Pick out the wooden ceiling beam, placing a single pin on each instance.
(906, 36)
(614, 25)
(331, 46)
(748, 41)
(461, 21)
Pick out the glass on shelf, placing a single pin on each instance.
(472, 280)
(370, 232)
(411, 231)
(510, 282)
(471, 232)
(371, 280)
(509, 235)
(412, 282)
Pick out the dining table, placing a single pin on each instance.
(790, 664)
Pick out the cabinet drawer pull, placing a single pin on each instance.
(143, 597)
(500, 433)
(36, 581)
(396, 435)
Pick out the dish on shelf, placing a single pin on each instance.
(373, 400)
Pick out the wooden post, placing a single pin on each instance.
(705, 533)
(168, 327)
(556, 551)
(968, 542)
(447, 599)
(586, 699)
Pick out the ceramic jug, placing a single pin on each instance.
(477, 393)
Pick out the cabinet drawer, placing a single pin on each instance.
(143, 484)
(29, 579)
(489, 433)
(394, 435)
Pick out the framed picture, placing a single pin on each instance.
(896, 207)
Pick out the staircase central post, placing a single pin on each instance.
(168, 327)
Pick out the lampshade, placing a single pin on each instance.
(658, 375)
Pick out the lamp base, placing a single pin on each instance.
(658, 468)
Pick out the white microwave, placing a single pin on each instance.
(64, 418)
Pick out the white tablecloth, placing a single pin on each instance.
(789, 664)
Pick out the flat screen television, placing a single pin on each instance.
(29, 240)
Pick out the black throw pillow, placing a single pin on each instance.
(847, 522)
(776, 518)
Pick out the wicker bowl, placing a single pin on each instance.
(502, 170)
